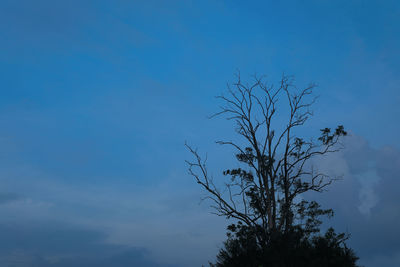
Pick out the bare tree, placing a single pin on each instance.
(277, 164)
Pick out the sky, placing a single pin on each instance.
(99, 97)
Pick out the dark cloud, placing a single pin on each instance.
(366, 201)
(128, 258)
(8, 197)
(62, 245)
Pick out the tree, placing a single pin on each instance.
(266, 195)
(286, 249)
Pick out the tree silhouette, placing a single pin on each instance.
(275, 225)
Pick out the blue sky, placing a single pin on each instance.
(98, 98)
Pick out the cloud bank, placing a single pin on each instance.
(366, 201)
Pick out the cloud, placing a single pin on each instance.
(133, 257)
(366, 201)
(367, 195)
(164, 218)
(59, 245)
(8, 197)
(64, 224)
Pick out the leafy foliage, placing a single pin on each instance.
(291, 249)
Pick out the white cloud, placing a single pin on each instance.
(367, 195)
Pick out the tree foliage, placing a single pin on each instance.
(293, 248)
(265, 194)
